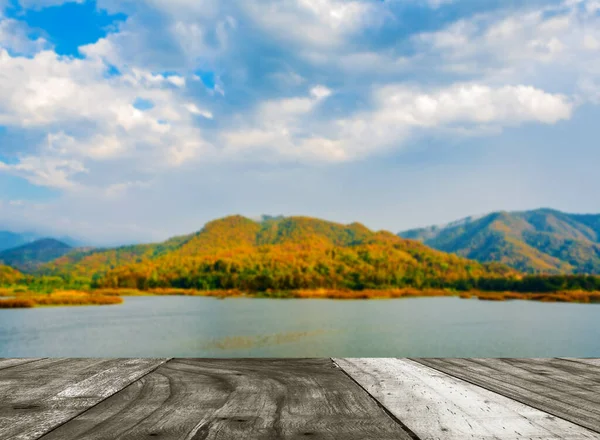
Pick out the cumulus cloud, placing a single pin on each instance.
(48, 89)
(488, 41)
(319, 23)
(278, 126)
(518, 44)
(471, 103)
(89, 117)
(46, 171)
(15, 36)
(400, 111)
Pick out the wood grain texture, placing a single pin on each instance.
(435, 405)
(7, 363)
(198, 399)
(36, 397)
(590, 361)
(559, 387)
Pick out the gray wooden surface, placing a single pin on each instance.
(6, 363)
(564, 388)
(35, 397)
(196, 399)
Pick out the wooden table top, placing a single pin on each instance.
(382, 398)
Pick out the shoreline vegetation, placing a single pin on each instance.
(291, 257)
(21, 298)
(17, 299)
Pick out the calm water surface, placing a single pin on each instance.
(241, 327)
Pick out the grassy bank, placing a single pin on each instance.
(578, 296)
(19, 298)
(26, 299)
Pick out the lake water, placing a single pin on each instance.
(243, 327)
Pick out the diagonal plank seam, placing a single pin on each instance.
(508, 363)
(557, 383)
(516, 399)
(548, 386)
(107, 397)
(405, 428)
(24, 363)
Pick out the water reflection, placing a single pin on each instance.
(242, 327)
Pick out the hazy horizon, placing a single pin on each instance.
(87, 241)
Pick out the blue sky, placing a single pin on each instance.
(126, 121)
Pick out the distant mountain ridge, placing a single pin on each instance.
(10, 239)
(29, 256)
(537, 241)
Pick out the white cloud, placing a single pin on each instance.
(97, 147)
(64, 97)
(551, 34)
(471, 103)
(14, 36)
(401, 110)
(49, 89)
(176, 80)
(190, 32)
(523, 37)
(286, 129)
(319, 23)
(46, 171)
(193, 108)
(320, 92)
(337, 14)
(276, 126)
(548, 47)
(590, 42)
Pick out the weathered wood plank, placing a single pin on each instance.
(571, 378)
(435, 405)
(589, 361)
(237, 398)
(551, 384)
(540, 391)
(38, 396)
(7, 363)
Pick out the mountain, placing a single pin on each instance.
(538, 241)
(275, 253)
(29, 256)
(85, 262)
(10, 239)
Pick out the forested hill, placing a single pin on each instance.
(277, 253)
(539, 241)
(29, 256)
